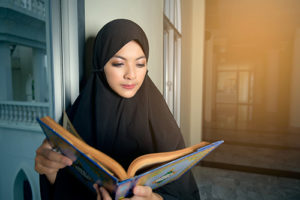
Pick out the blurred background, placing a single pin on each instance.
(251, 80)
(228, 69)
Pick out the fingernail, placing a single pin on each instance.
(137, 189)
(69, 162)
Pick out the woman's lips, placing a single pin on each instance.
(131, 86)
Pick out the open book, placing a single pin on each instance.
(92, 166)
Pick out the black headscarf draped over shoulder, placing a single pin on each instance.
(123, 128)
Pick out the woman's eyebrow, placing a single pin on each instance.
(116, 56)
(121, 57)
(141, 57)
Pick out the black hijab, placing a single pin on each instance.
(125, 128)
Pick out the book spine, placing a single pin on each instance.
(124, 189)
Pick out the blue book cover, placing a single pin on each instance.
(90, 170)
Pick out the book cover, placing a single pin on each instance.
(84, 167)
(165, 173)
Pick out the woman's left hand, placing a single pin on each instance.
(140, 193)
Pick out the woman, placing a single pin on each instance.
(120, 112)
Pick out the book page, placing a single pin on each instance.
(153, 159)
(69, 126)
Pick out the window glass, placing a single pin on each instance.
(29, 74)
(24, 70)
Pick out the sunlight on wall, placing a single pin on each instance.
(252, 70)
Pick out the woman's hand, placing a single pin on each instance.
(48, 162)
(140, 193)
(102, 193)
(144, 193)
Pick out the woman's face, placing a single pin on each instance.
(126, 70)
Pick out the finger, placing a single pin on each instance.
(54, 156)
(157, 196)
(46, 144)
(47, 151)
(143, 191)
(43, 161)
(98, 191)
(44, 169)
(105, 194)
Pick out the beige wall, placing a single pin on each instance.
(148, 14)
(192, 69)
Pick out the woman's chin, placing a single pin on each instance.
(128, 94)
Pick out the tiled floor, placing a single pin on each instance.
(218, 184)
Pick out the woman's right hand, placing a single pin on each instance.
(48, 162)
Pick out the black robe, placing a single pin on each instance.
(123, 128)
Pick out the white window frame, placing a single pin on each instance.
(64, 51)
(172, 56)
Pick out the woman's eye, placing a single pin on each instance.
(141, 65)
(117, 64)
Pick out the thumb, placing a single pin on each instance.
(143, 191)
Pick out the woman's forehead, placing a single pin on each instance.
(131, 49)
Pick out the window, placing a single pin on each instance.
(22, 188)
(172, 55)
(39, 46)
(24, 76)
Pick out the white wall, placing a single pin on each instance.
(193, 13)
(148, 14)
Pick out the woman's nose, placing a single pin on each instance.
(130, 73)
